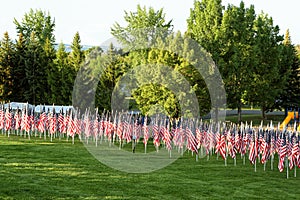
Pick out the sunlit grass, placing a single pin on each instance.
(257, 119)
(38, 169)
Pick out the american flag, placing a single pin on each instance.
(145, 131)
(17, 118)
(2, 118)
(191, 141)
(292, 151)
(52, 123)
(156, 139)
(282, 152)
(266, 148)
(223, 146)
(60, 121)
(8, 120)
(41, 123)
(253, 153)
(167, 138)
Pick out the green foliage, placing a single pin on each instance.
(290, 95)
(35, 68)
(62, 76)
(75, 61)
(53, 75)
(162, 75)
(20, 84)
(268, 74)
(6, 68)
(111, 66)
(38, 22)
(143, 28)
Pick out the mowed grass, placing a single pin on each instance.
(39, 169)
(257, 119)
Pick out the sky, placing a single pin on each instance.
(94, 18)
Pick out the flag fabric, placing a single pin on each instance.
(282, 153)
(228, 140)
(253, 152)
(2, 118)
(8, 120)
(223, 146)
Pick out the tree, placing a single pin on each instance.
(75, 60)
(35, 68)
(53, 74)
(269, 76)
(6, 67)
(160, 72)
(77, 55)
(38, 22)
(112, 66)
(20, 84)
(36, 44)
(290, 94)
(62, 90)
(237, 56)
(143, 28)
(204, 25)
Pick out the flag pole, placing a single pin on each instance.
(287, 167)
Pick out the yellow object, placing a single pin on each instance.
(291, 115)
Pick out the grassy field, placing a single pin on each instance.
(38, 169)
(256, 119)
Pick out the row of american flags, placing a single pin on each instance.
(258, 144)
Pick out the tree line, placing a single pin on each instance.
(258, 65)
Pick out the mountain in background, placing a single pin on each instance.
(84, 47)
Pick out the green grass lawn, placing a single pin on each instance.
(38, 169)
(256, 119)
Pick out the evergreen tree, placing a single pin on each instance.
(112, 66)
(290, 95)
(20, 83)
(35, 66)
(77, 55)
(6, 68)
(53, 74)
(75, 60)
(62, 76)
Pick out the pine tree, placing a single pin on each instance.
(290, 95)
(20, 84)
(77, 55)
(35, 66)
(63, 69)
(75, 60)
(53, 74)
(6, 68)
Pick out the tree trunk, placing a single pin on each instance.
(263, 112)
(239, 113)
